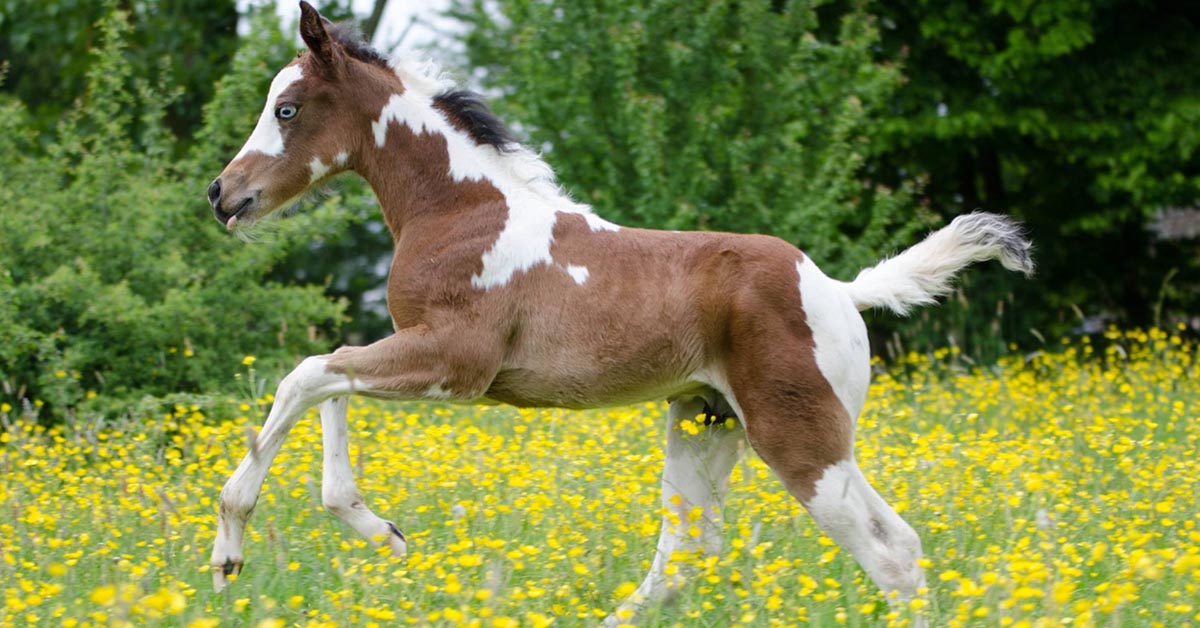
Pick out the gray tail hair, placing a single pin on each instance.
(926, 271)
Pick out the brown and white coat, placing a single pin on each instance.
(502, 289)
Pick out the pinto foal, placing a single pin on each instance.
(502, 289)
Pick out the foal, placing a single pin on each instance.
(502, 289)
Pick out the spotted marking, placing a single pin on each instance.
(319, 169)
(437, 392)
(578, 273)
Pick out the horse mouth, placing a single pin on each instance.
(231, 221)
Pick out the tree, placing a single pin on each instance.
(1081, 118)
(115, 281)
(187, 44)
(725, 114)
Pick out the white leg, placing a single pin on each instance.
(410, 364)
(306, 385)
(338, 490)
(849, 510)
(695, 481)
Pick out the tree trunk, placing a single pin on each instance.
(371, 24)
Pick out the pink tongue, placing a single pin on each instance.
(232, 222)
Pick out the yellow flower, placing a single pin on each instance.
(104, 596)
(248, 360)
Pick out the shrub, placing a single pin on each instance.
(727, 115)
(115, 282)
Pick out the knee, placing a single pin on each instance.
(309, 370)
(340, 503)
(306, 381)
(235, 504)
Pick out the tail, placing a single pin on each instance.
(925, 271)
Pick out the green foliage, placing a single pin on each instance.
(726, 115)
(1081, 118)
(115, 278)
(188, 43)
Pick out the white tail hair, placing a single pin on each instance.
(925, 271)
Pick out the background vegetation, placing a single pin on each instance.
(114, 285)
(849, 128)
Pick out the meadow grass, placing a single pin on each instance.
(1050, 489)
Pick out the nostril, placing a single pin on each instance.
(214, 192)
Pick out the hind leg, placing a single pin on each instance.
(695, 481)
(801, 375)
(852, 513)
(837, 495)
(809, 445)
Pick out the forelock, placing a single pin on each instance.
(349, 37)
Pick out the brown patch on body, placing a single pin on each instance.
(656, 307)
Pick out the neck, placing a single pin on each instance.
(419, 163)
(412, 175)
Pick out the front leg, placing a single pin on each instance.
(306, 385)
(338, 490)
(414, 363)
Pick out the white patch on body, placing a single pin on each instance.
(267, 138)
(578, 273)
(319, 169)
(839, 336)
(341, 158)
(437, 392)
(599, 224)
(526, 182)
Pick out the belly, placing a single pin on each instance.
(531, 389)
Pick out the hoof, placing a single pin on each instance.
(612, 621)
(396, 541)
(221, 573)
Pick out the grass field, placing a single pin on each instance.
(1054, 489)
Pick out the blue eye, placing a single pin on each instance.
(286, 112)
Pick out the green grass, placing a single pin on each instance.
(1059, 490)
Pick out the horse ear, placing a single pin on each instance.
(316, 37)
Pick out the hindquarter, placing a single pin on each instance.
(799, 368)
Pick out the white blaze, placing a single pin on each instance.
(266, 137)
